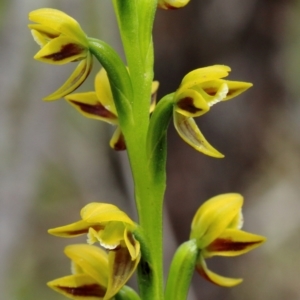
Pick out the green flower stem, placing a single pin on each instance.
(181, 271)
(135, 19)
(118, 77)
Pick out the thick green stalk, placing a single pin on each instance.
(135, 19)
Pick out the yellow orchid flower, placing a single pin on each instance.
(172, 4)
(199, 90)
(100, 105)
(91, 275)
(110, 226)
(216, 227)
(62, 41)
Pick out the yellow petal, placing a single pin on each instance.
(214, 216)
(92, 260)
(202, 269)
(190, 103)
(132, 244)
(199, 76)
(60, 51)
(75, 80)
(103, 91)
(60, 22)
(190, 133)
(172, 4)
(42, 35)
(121, 267)
(233, 242)
(74, 229)
(78, 287)
(235, 88)
(89, 106)
(112, 235)
(117, 142)
(103, 212)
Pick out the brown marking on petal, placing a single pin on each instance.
(90, 290)
(231, 92)
(201, 272)
(168, 6)
(187, 104)
(85, 230)
(122, 262)
(220, 245)
(68, 50)
(120, 145)
(97, 110)
(211, 91)
(49, 35)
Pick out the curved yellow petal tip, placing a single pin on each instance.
(190, 133)
(202, 269)
(74, 81)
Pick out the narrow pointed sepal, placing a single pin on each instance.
(78, 287)
(74, 229)
(121, 267)
(89, 106)
(236, 88)
(75, 80)
(233, 242)
(117, 142)
(60, 51)
(190, 133)
(202, 269)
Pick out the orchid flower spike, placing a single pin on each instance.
(90, 274)
(99, 105)
(113, 229)
(216, 228)
(197, 93)
(62, 41)
(172, 4)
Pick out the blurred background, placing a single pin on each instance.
(53, 161)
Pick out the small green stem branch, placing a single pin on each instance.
(181, 271)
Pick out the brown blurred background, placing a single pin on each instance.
(53, 161)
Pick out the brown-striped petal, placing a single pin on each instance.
(121, 267)
(78, 287)
(233, 242)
